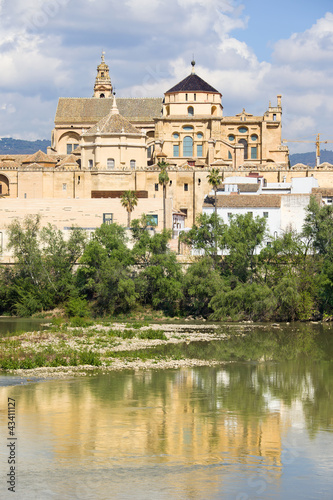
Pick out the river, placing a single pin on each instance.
(258, 426)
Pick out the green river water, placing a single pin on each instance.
(257, 426)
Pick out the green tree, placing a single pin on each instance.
(43, 275)
(105, 275)
(318, 228)
(201, 282)
(129, 200)
(206, 234)
(214, 179)
(163, 179)
(243, 237)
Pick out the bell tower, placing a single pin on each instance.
(103, 86)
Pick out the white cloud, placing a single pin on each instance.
(50, 48)
(313, 47)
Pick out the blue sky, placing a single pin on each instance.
(250, 51)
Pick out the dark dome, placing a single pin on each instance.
(193, 83)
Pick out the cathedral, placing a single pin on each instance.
(186, 128)
(103, 145)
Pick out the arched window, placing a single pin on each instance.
(132, 164)
(110, 163)
(187, 127)
(188, 146)
(190, 111)
(244, 141)
(214, 110)
(102, 96)
(242, 130)
(199, 135)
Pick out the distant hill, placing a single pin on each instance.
(9, 146)
(310, 158)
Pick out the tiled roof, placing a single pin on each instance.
(69, 160)
(91, 110)
(323, 191)
(247, 201)
(113, 124)
(193, 83)
(39, 157)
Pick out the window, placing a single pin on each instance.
(254, 152)
(268, 243)
(149, 151)
(274, 117)
(184, 210)
(242, 130)
(244, 141)
(64, 187)
(107, 219)
(110, 163)
(156, 187)
(190, 111)
(229, 155)
(199, 149)
(176, 135)
(176, 150)
(91, 164)
(185, 187)
(186, 97)
(194, 97)
(231, 138)
(266, 215)
(154, 219)
(329, 200)
(188, 146)
(71, 147)
(132, 164)
(254, 137)
(102, 96)
(187, 127)
(199, 135)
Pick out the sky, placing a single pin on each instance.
(249, 50)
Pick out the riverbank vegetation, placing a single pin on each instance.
(289, 279)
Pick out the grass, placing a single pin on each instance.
(75, 342)
(48, 357)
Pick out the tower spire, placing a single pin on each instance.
(193, 65)
(103, 86)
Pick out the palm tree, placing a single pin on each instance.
(129, 200)
(214, 179)
(163, 179)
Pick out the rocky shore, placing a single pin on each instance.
(114, 344)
